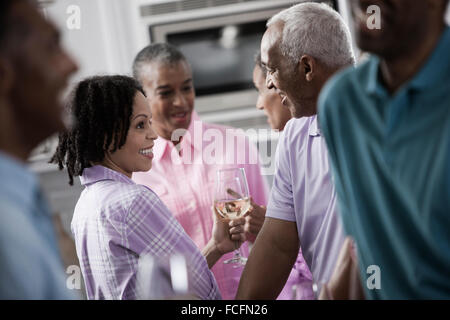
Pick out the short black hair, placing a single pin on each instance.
(101, 108)
(159, 52)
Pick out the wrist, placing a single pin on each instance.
(212, 253)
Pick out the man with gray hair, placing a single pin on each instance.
(301, 48)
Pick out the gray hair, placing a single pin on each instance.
(317, 30)
(156, 52)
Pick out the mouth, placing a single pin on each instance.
(180, 116)
(148, 152)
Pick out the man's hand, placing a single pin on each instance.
(254, 220)
(345, 283)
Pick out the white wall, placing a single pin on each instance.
(106, 40)
(448, 15)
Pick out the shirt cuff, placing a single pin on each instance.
(287, 214)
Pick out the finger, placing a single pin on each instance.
(254, 230)
(236, 230)
(249, 211)
(216, 214)
(237, 222)
(240, 237)
(233, 193)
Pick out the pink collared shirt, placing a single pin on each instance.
(186, 185)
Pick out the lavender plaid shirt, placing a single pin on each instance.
(115, 222)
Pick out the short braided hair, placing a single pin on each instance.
(101, 108)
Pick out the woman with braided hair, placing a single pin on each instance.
(116, 221)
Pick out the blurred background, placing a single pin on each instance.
(218, 37)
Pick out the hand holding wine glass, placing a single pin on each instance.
(227, 234)
(231, 201)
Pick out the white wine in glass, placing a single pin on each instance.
(232, 201)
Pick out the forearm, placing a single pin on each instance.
(211, 253)
(268, 267)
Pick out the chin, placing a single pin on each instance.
(144, 168)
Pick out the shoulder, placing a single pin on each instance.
(115, 199)
(342, 94)
(210, 125)
(241, 139)
(226, 130)
(296, 129)
(344, 84)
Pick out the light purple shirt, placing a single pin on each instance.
(303, 192)
(115, 222)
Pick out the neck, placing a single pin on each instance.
(108, 163)
(397, 70)
(15, 140)
(324, 74)
(168, 136)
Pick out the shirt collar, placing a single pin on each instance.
(163, 146)
(373, 85)
(99, 173)
(17, 179)
(436, 66)
(429, 75)
(313, 127)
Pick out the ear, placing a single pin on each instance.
(307, 67)
(7, 76)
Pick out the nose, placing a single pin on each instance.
(70, 66)
(179, 99)
(259, 104)
(151, 133)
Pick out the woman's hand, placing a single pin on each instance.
(228, 235)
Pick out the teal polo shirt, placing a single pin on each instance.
(390, 157)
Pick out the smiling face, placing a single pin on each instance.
(270, 101)
(288, 79)
(136, 154)
(170, 91)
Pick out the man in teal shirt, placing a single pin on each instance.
(387, 127)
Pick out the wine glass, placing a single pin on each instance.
(163, 277)
(232, 201)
